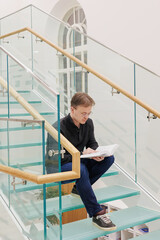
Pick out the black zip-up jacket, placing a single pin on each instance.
(80, 137)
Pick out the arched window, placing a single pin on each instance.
(72, 78)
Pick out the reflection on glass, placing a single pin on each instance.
(148, 153)
(25, 152)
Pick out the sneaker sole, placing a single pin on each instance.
(105, 229)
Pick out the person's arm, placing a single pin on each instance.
(92, 143)
(52, 144)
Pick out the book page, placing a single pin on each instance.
(102, 151)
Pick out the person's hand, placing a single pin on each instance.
(98, 159)
(90, 150)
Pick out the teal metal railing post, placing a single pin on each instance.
(59, 164)
(74, 64)
(8, 144)
(44, 185)
(135, 125)
(32, 56)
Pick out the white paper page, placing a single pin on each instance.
(102, 151)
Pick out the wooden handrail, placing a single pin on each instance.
(89, 69)
(75, 173)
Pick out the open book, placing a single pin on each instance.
(102, 151)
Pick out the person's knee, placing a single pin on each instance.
(112, 159)
(84, 171)
(109, 160)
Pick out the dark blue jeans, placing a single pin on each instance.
(91, 171)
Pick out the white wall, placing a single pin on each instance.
(130, 27)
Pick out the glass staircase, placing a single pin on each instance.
(134, 179)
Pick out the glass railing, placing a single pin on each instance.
(30, 87)
(23, 145)
(117, 119)
(12, 24)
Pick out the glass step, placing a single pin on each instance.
(149, 236)
(26, 114)
(30, 97)
(110, 172)
(13, 129)
(12, 101)
(21, 145)
(31, 186)
(27, 162)
(70, 203)
(123, 219)
(17, 110)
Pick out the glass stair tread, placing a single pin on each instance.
(105, 194)
(21, 114)
(70, 202)
(149, 236)
(123, 219)
(25, 114)
(26, 162)
(110, 172)
(34, 144)
(30, 97)
(18, 110)
(12, 129)
(13, 101)
(31, 186)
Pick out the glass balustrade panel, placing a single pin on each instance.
(20, 46)
(46, 103)
(16, 21)
(20, 81)
(147, 89)
(3, 91)
(114, 122)
(53, 191)
(32, 92)
(113, 116)
(3, 65)
(23, 197)
(37, 100)
(45, 62)
(111, 65)
(103, 60)
(50, 28)
(4, 159)
(54, 69)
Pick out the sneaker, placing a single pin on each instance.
(103, 222)
(74, 192)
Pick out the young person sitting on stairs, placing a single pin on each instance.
(78, 128)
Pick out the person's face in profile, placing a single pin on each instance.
(80, 114)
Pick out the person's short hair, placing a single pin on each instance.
(81, 98)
